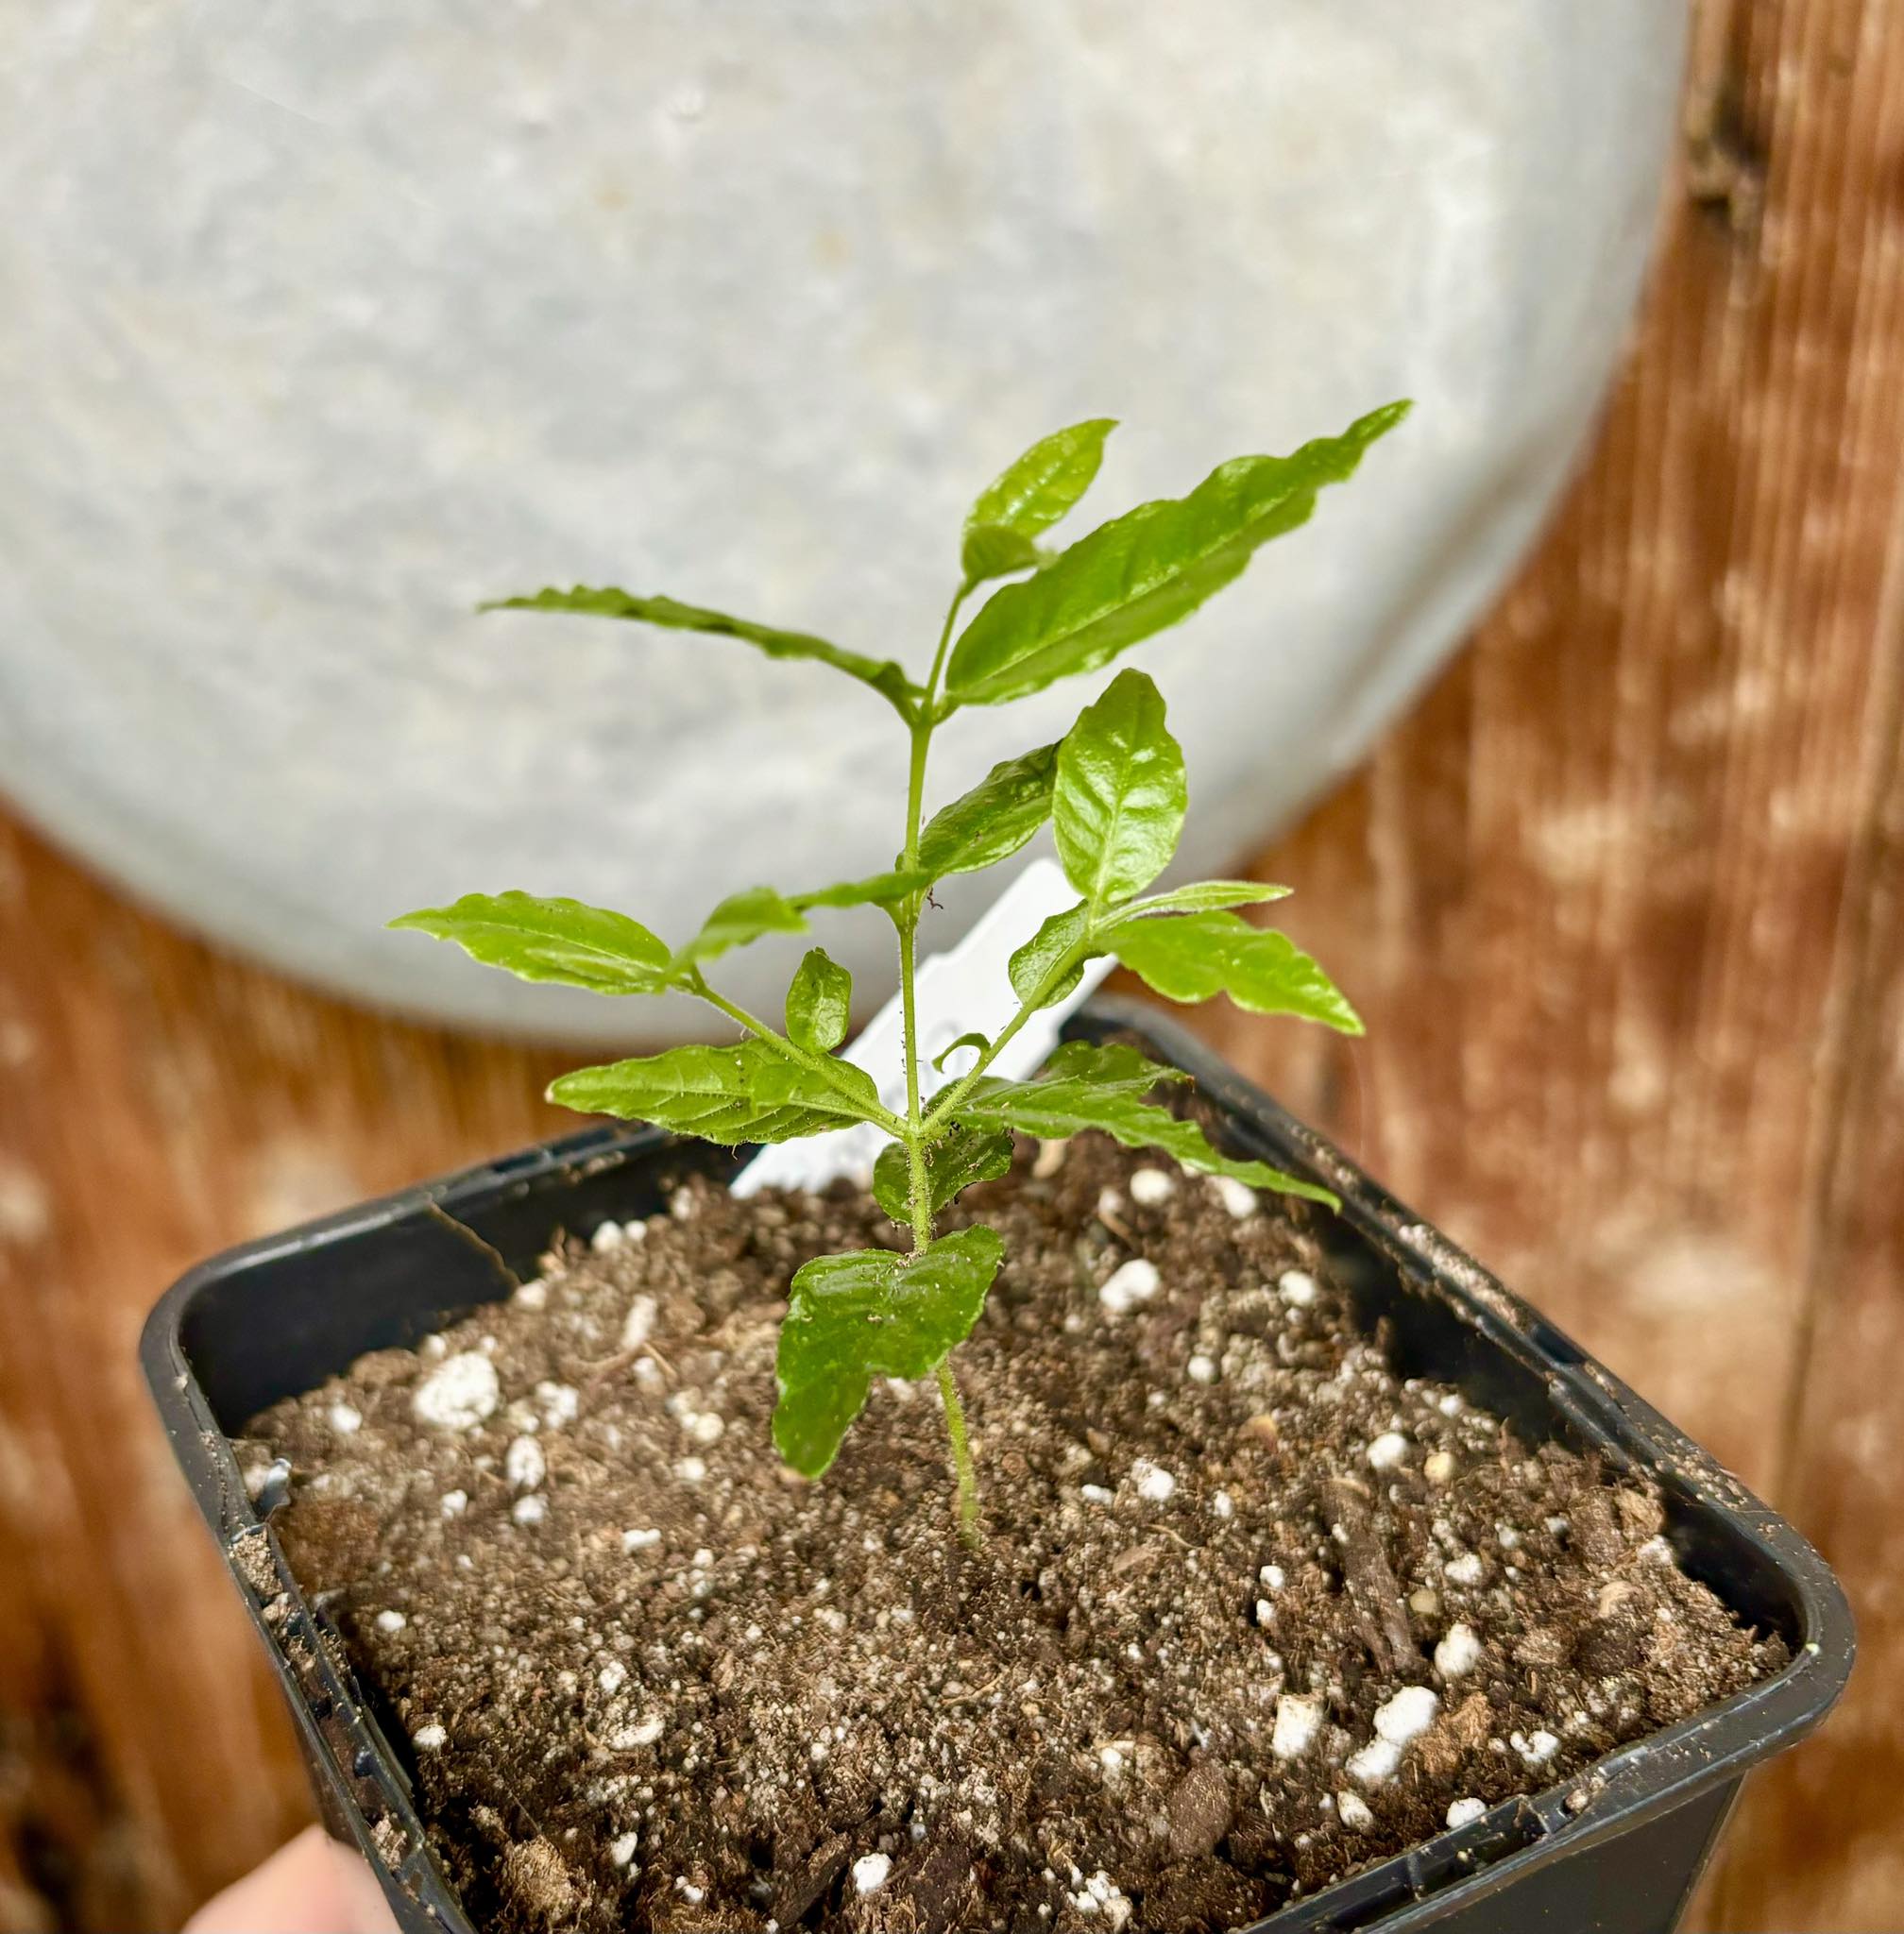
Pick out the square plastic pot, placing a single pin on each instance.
(276, 1317)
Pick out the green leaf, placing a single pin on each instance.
(748, 1092)
(1146, 570)
(1093, 1087)
(1030, 495)
(819, 1003)
(879, 890)
(994, 819)
(882, 675)
(1191, 957)
(1206, 896)
(953, 1163)
(989, 551)
(741, 919)
(551, 940)
(1099, 1066)
(1118, 801)
(1035, 959)
(872, 1313)
(972, 1040)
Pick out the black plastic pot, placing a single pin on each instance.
(1619, 1851)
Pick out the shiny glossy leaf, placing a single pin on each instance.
(1119, 800)
(1146, 570)
(553, 940)
(994, 819)
(870, 1314)
(1106, 1088)
(740, 920)
(878, 889)
(1205, 896)
(1193, 957)
(819, 1003)
(1030, 495)
(1030, 965)
(989, 551)
(958, 1159)
(747, 1092)
(882, 675)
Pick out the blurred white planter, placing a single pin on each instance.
(317, 325)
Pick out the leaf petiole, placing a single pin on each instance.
(822, 1064)
(939, 1116)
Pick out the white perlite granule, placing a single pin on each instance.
(869, 1873)
(1407, 1715)
(1153, 1481)
(1387, 1450)
(638, 1323)
(1297, 1720)
(1458, 1652)
(1461, 1811)
(622, 1848)
(639, 1540)
(430, 1737)
(1298, 1287)
(459, 1393)
(1202, 1369)
(1133, 1282)
(607, 1236)
(454, 1503)
(1374, 1762)
(1238, 1197)
(1465, 1570)
(1535, 1749)
(561, 1403)
(346, 1419)
(1352, 1810)
(1101, 1895)
(528, 1510)
(524, 1464)
(1150, 1187)
(391, 1622)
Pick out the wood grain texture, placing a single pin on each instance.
(1623, 902)
(159, 1103)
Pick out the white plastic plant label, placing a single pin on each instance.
(967, 990)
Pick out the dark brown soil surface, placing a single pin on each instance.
(651, 1680)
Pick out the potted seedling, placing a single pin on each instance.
(1115, 1512)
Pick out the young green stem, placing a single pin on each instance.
(939, 1117)
(964, 1477)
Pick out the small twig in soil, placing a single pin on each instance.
(1372, 1588)
(437, 1213)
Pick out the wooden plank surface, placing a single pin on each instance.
(1623, 902)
